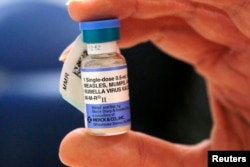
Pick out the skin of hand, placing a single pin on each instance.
(211, 35)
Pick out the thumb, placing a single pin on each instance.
(132, 149)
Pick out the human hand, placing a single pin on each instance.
(211, 35)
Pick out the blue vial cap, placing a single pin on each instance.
(100, 30)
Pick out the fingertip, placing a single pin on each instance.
(84, 10)
(78, 148)
(90, 10)
(73, 10)
(68, 145)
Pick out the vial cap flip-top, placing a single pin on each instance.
(99, 24)
(100, 30)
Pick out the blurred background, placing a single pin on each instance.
(168, 99)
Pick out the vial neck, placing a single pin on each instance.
(101, 49)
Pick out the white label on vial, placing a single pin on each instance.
(101, 48)
(106, 96)
(70, 80)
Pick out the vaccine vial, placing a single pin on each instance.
(104, 79)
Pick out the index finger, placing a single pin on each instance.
(95, 9)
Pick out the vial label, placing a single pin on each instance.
(106, 96)
(100, 48)
(70, 85)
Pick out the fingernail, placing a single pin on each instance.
(65, 53)
(67, 3)
(62, 57)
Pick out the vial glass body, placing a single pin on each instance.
(106, 94)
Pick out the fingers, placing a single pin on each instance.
(216, 26)
(159, 8)
(173, 35)
(96, 9)
(210, 22)
(238, 10)
(241, 17)
(128, 150)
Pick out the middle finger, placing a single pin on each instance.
(215, 25)
(238, 10)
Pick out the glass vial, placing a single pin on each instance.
(105, 80)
